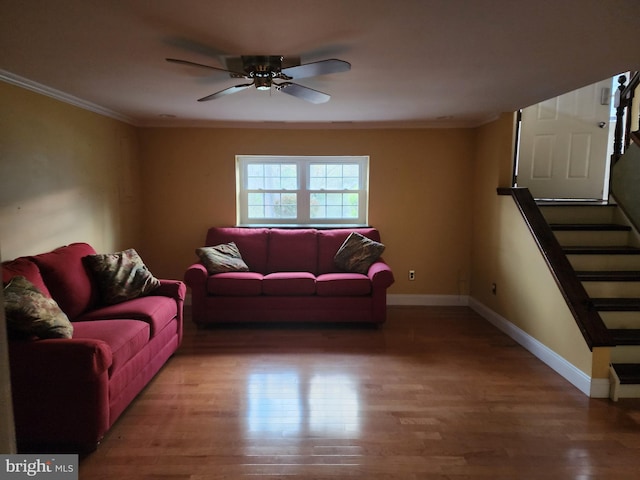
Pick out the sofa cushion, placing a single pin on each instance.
(157, 311)
(252, 244)
(67, 278)
(30, 313)
(293, 250)
(330, 241)
(237, 284)
(121, 276)
(358, 253)
(25, 267)
(222, 258)
(342, 284)
(289, 283)
(124, 337)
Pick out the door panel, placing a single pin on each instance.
(563, 147)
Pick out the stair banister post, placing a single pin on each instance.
(619, 129)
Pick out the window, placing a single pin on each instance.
(277, 190)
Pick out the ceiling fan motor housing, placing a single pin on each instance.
(263, 69)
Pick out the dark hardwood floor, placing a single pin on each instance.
(436, 393)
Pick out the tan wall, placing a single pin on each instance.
(505, 253)
(70, 175)
(420, 193)
(66, 175)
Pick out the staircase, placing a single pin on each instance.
(604, 251)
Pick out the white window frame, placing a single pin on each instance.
(303, 191)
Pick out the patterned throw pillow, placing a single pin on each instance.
(222, 258)
(121, 276)
(30, 313)
(357, 253)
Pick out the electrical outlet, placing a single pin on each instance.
(494, 288)
(412, 274)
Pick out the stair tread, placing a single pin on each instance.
(628, 373)
(609, 275)
(601, 250)
(607, 227)
(616, 304)
(625, 336)
(549, 202)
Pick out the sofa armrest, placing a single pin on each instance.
(196, 276)
(381, 275)
(171, 288)
(78, 358)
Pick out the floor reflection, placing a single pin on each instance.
(286, 402)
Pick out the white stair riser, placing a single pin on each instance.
(625, 354)
(578, 214)
(626, 391)
(612, 289)
(592, 238)
(604, 262)
(621, 319)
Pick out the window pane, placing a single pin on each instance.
(334, 205)
(349, 212)
(350, 183)
(317, 170)
(272, 205)
(334, 183)
(272, 183)
(334, 199)
(317, 207)
(255, 170)
(334, 211)
(255, 183)
(272, 176)
(334, 176)
(350, 199)
(280, 205)
(256, 211)
(334, 170)
(318, 211)
(351, 170)
(256, 199)
(289, 183)
(272, 170)
(289, 170)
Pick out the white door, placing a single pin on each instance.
(563, 145)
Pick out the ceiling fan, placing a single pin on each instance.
(263, 70)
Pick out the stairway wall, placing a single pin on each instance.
(505, 253)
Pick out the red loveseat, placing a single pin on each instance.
(68, 392)
(292, 277)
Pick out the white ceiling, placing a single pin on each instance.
(414, 62)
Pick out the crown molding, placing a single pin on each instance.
(27, 84)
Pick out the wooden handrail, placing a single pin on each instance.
(587, 318)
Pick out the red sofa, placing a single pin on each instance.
(68, 392)
(292, 277)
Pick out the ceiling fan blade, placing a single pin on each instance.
(193, 64)
(333, 65)
(305, 93)
(226, 91)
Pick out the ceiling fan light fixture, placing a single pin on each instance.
(262, 83)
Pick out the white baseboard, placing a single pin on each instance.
(428, 300)
(594, 388)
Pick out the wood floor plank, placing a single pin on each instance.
(436, 393)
